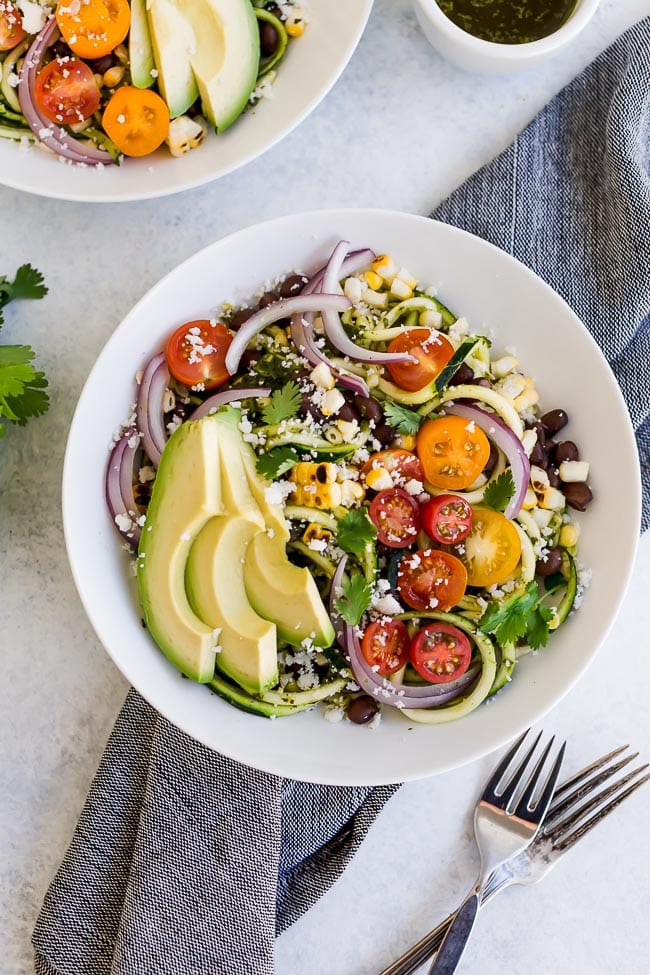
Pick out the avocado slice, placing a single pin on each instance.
(174, 42)
(140, 47)
(214, 580)
(226, 55)
(284, 593)
(186, 494)
(237, 495)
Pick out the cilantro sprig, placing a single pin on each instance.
(521, 615)
(499, 491)
(276, 462)
(283, 404)
(355, 598)
(402, 419)
(22, 386)
(355, 531)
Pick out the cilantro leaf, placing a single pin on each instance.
(355, 598)
(401, 418)
(520, 615)
(355, 531)
(21, 386)
(283, 404)
(276, 462)
(537, 630)
(499, 491)
(28, 283)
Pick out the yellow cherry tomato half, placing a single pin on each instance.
(453, 452)
(137, 120)
(492, 550)
(93, 28)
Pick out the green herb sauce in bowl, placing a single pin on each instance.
(508, 21)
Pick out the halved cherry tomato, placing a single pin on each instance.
(453, 452)
(385, 645)
(395, 514)
(93, 28)
(492, 549)
(65, 91)
(432, 350)
(430, 579)
(196, 354)
(440, 653)
(11, 25)
(446, 519)
(403, 463)
(137, 120)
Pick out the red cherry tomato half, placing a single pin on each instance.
(395, 514)
(402, 463)
(430, 579)
(446, 519)
(65, 91)
(440, 653)
(11, 25)
(432, 351)
(196, 354)
(385, 645)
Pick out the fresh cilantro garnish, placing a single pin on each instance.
(355, 531)
(517, 616)
(355, 598)
(499, 491)
(401, 418)
(21, 385)
(283, 404)
(27, 283)
(276, 462)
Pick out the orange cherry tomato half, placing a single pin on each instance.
(93, 28)
(137, 120)
(395, 515)
(385, 645)
(453, 452)
(492, 550)
(402, 464)
(430, 579)
(432, 351)
(65, 91)
(440, 653)
(446, 519)
(196, 354)
(11, 25)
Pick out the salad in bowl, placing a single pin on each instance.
(337, 493)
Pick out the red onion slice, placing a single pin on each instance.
(302, 335)
(149, 408)
(283, 308)
(51, 135)
(212, 404)
(119, 486)
(494, 427)
(355, 261)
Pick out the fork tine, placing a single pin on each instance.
(587, 788)
(538, 813)
(504, 798)
(585, 772)
(578, 833)
(533, 780)
(489, 793)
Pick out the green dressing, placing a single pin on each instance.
(508, 21)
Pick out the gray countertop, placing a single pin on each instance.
(61, 692)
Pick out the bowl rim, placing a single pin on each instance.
(577, 21)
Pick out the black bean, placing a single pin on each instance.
(240, 317)
(101, 65)
(566, 450)
(292, 285)
(369, 408)
(362, 709)
(554, 420)
(248, 359)
(551, 564)
(492, 459)
(553, 477)
(539, 456)
(348, 413)
(268, 39)
(464, 374)
(578, 495)
(541, 433)
(267, 299)
(384, 434)
(482, 382)
(307, 406)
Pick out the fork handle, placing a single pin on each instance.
(411, 960)
(453, 946)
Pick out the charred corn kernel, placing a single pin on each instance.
(569, 536)
(373, 280)
(379, 479)
(574, 471)
(542, 517)
(309, 472)
(530, 500)
(529, 440)
(332, 402)
(348, 428)
(538, 479)
(377, 299)
(430, 318)
(385, 266)
(407, 278)
(501, 367)
(528, 398)
(322, 376)
(185, 133)
(99, 80)
(406, 441)
(552, 499)
(353, 289)
(296, 29)
(400, 289)
(333, 435)
(113, 76)
(351, 493)
(314, 531)
(511, 386)
(121, 54)
(316, 485)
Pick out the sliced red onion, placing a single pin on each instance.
(51, 135)
(302, 335)
(332, 323)
(149, 408)
(119, 486)
(494, 427)
(283, 308)
(212, 404)
(355, 261)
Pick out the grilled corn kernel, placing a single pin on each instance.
(377, 299)
(400, 289)
(353, 289)
(385, 266)
(318, 532)
(574, 471)
(308, 472)
(349, 429)
(351, 493)
(501, 367)
(530, 500)
(552, 499)
(512, 386)
(406, 441)
(538, 479)
(528, 398)
(569, 536)
(121, 54)
(379, 479)
(316, 485)
(407, 278)
(529, 440)
(296, 29)
(322, 376)
(542, 517)
(333, 401)
(430, 318)
(373, 280)
(113, 76)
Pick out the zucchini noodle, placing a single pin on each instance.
(302, 699)
(9, 93)
(528, 559)
(499, 403)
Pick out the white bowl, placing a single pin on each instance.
(310, 68)
(474, 54)
(494, 291)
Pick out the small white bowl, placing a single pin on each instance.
(474, 54)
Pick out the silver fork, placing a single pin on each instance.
(566, 823)
(506, 820)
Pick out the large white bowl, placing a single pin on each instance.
(310, 68)
(495, 292)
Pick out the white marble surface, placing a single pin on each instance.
(430, 126)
